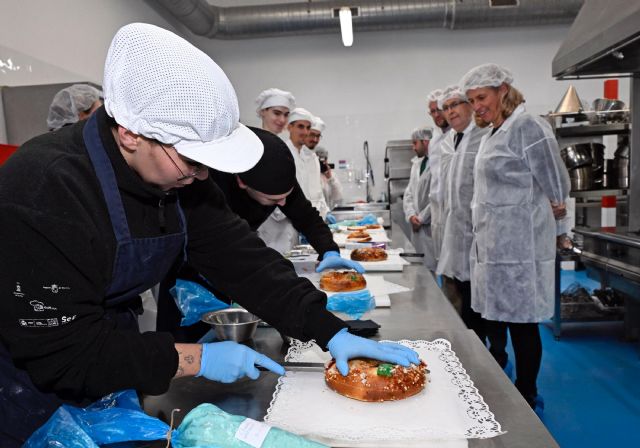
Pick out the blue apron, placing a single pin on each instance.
(139, 264)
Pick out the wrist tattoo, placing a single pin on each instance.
(189, 359)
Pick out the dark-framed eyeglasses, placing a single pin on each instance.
(448, 107)
(197, 166)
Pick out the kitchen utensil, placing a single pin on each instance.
(232, 324)
(607, 105)
(575, 156)
(581, 178)
(608, 174)
(298, 367)
(597, 155)
(622, 152)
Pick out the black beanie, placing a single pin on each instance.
(275, 172)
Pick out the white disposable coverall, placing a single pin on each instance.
(458, 230)
(415, 201)
(518, 172)
(436, 195)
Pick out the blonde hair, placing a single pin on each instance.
(508, 104)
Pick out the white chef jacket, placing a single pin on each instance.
(308, 176)
(415, 201)
(332, 190)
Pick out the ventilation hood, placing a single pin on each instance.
(312, 17)
(604, 40)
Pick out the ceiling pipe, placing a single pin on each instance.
(249, 22)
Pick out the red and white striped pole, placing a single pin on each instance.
(608, 214)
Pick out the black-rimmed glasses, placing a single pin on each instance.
(448, 107)
(197, 167)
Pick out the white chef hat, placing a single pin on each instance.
(158, 85)
(434, 95)
(317, 124)
(69, 102)
(486, 75)
(422, 133)
(449, 93)
(300, 114)
(275, 97)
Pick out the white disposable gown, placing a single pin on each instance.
(415, 201)
(518, 172)
(458, 230)
(436, 192)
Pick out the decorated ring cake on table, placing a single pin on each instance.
(372, 380)
(342, 281)
(369, 254)
(359, 236)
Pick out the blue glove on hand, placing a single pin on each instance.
(330, 218)
(344, 346)
(229, 361)
(333, 260)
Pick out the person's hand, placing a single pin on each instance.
(228, 361)
(333, 260)
(559, 210)
(345, 346)
(327, 173)
(564, 242)
(415, 223)
(330, 218)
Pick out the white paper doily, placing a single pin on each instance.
(450, 407)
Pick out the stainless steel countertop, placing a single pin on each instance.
(423, 313)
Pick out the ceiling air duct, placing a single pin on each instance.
(314, 17)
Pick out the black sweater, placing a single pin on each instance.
(55, 230)
(304, 217)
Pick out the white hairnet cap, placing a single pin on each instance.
(449, 93)
(422, 133)
(317, 124)
(486, 75)
(69, 102)
(158, 85)
(434, 95)
(275, 97)
(300, 114)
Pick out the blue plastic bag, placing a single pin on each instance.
(115, 418)
(353, 304)
(368, 219)
(194, 300)
(118, 418)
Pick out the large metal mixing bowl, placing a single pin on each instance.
(232, 324)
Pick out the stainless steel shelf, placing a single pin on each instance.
(592, 130)
(598, 193)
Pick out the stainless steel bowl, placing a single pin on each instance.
(576, 156)
(581, 178)
(606, 105)
(232, 324)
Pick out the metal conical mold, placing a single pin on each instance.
(570, 102)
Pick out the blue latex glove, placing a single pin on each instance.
(333, 260)
(330, 218)
(228, 361)
(345, 346)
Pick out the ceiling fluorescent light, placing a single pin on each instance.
(346, 27)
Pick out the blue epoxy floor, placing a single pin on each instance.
(590, 381)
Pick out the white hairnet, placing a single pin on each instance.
(434, 95)
(486, 75)
(422, 133)
(69, 102)
(158, 85)
(275, 97)
(300, 114)
(449, 93)
(317, 124)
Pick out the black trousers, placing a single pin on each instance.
(471, 319)
(527, 346)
